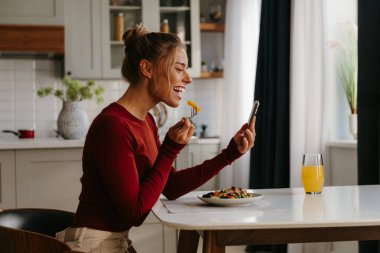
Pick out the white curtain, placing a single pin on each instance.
(317, 102)
(241, 43)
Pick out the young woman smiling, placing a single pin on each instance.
(125, 166)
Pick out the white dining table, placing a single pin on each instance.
(287, 215)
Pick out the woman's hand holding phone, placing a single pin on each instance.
(245, 137)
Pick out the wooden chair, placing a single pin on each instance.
(39, 220)
(21, 241)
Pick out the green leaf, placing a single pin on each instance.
(74, 90)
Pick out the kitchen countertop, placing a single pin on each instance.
(40, 143)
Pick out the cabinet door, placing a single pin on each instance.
(183, 19)
(7, 179)
(48, 178)
(36, 12)
(83, 38)
(133, 12)
(152, 236)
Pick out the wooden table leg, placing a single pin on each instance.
(188, 241)
(209, 243)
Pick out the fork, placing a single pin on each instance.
(193, 112)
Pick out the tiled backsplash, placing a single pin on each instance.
(21, 108)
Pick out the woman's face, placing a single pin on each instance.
(177, 76)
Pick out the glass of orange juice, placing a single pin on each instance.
(313, 175)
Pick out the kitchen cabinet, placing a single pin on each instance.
(7, 179)
(212, 40)
(36, 12)
(196, 153)
(48, 178)
(83, 39)
(153, 236)
(96, 19)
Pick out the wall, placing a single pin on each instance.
(21, 108)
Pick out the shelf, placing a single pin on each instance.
(124, 8)
(117, 43)
(218, 74)
(174, 9)
(211, 27)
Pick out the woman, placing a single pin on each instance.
(125, 167)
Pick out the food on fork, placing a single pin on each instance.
(229, 193)
(194, 105)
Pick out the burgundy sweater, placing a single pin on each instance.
(126, 168)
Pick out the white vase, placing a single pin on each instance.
(72, 121)
(353, 124)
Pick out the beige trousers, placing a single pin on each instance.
(96, 241)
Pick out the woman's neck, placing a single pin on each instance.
(137, 101)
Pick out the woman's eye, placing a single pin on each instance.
(179, 70)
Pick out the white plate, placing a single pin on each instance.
(231, 202)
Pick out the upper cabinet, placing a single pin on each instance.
(212, 20)
(88, 22)
(36, 12)
(83, 39)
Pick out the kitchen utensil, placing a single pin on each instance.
(22, 133)
(194, 112)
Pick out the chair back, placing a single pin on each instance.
(43, 221)
(20, 241)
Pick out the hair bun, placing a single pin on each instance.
(133, 34)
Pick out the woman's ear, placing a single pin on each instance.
(146, 68)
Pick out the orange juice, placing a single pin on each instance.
(313, 178)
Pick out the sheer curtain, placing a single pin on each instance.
(318, 110)
(241, 42)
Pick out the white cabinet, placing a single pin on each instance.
(212, 39)
(152, 236)
(196, 153)
(49, 178)
(36, 12)
(7, 179)
(83, 38)
(91, 49)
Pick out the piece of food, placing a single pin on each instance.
(229, 193)
(194, 105)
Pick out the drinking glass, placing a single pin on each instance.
(313, 175)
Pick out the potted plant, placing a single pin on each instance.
(346, 63)
(72, 120)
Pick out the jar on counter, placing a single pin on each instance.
(165, 26)
(119, 26)
(114, 2)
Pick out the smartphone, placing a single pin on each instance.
(255, 107)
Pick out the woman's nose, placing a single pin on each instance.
(187, 78)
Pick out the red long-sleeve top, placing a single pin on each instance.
(126, 168)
